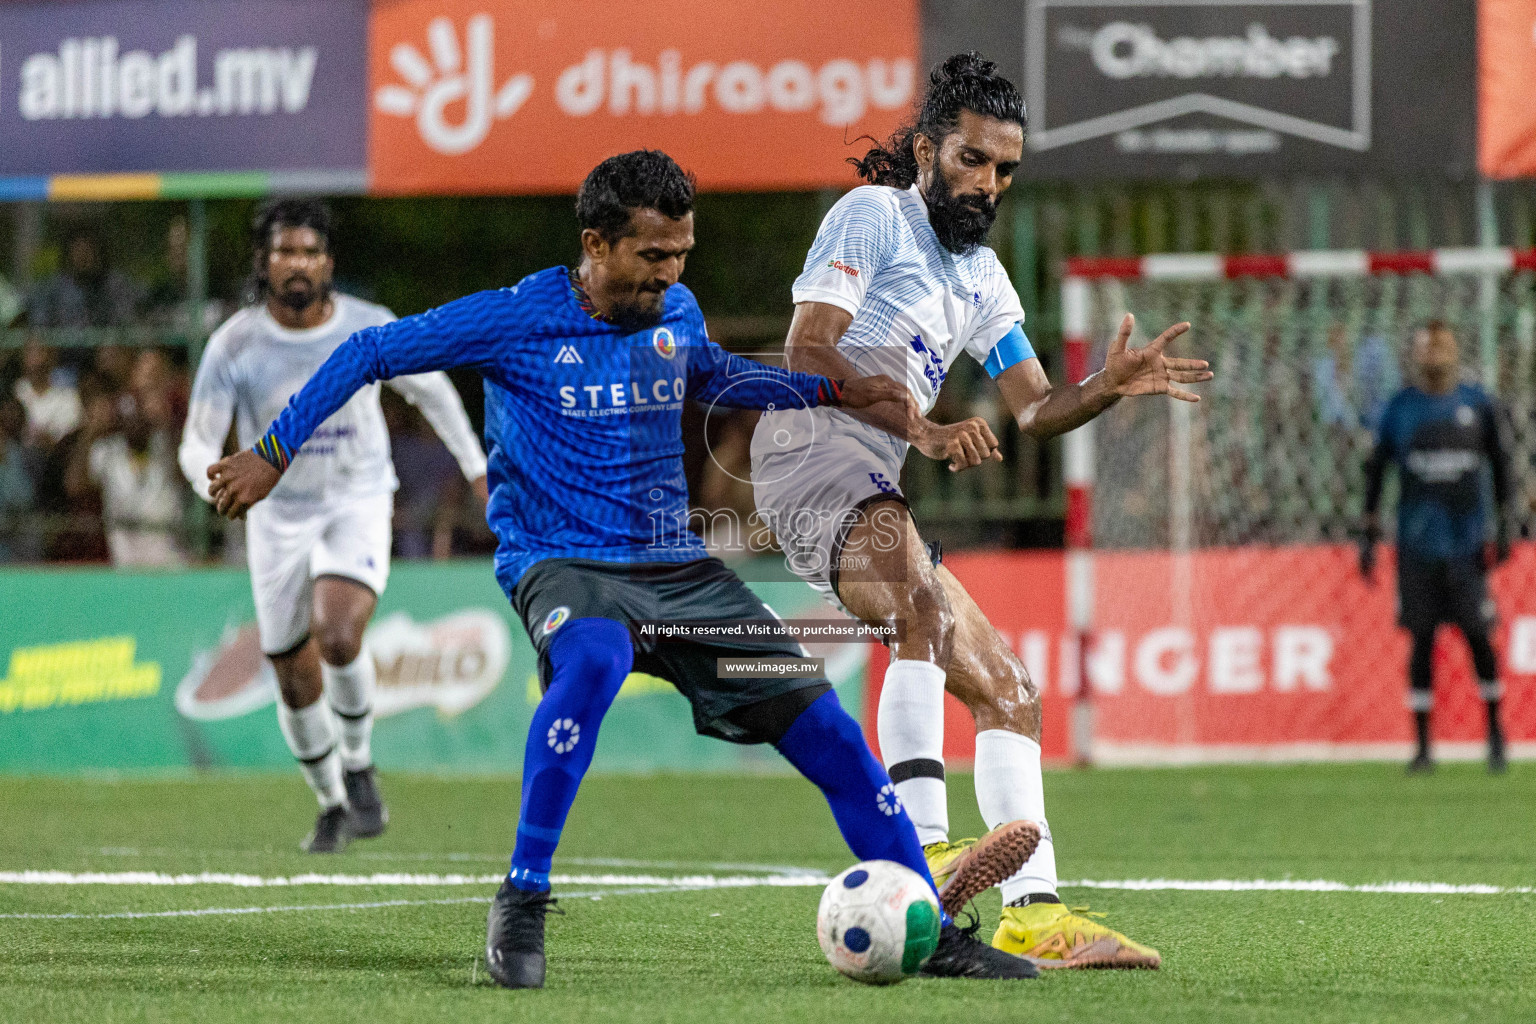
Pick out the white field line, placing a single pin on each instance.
(489, 858)
(231, 911)
(155, 878)
(1302, 885)
(663, 883)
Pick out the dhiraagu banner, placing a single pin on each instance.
(118, 671)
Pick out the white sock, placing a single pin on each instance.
(1009, 787)
(349, 689)
(910, 725)
(311, 735)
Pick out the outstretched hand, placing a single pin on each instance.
(1147, 371)
(240, 481)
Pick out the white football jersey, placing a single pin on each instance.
(253, 365)
(915, 305)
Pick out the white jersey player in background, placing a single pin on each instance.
(319, 547)
(898, 282)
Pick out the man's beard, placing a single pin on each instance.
(630, 316)
(960, 222)
(300, 299)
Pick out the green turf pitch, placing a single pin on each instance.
(749, 953)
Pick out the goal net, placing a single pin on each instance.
(1224, 616)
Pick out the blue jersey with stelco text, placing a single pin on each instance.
(1440, 445)
(583, 420)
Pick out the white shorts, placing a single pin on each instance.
(810, 498)
(287, 552)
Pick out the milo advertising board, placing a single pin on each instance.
(115, 671)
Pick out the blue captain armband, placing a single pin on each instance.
(1010, 349)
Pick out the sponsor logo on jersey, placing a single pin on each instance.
(555, 619)
(845, 268)
(618, 399)
(568, 355)
(933, 366)
(664, 343)
(1465, 416)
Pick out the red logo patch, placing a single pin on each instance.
(845, 268)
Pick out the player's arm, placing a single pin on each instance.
(210, 411)
(718, 377)
(438, 400)
(439, 339)
(814, 332)
(1043, 411)
(1375, 475)
(1496, 448)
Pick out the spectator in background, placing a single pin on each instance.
(48, 396)
(112, 365)
(11, 303)
(153, 378)
(169, 302)
(87, 292)
(1352, 390)
(17, 485)
(1330, 382)
(431, 487)
(1376, 377)
(132, 463)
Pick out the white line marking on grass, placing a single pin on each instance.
(231, 911)
(154, 878)
(664, 883)
(1301, 885)
(494, 858)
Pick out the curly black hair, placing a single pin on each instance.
(966, 81)
(643, 179)
(284, 213)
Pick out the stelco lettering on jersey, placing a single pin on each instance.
(616, 400)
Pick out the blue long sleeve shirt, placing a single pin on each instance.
(583, 420)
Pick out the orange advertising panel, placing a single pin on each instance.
(1506, 57)
(516, 96)
(1241, 654)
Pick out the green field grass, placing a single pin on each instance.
(747, 954)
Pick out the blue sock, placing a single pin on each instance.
(589, 659)
(828, 748)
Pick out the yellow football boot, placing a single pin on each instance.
(1052, 935)
(942, 857)
(965, 869)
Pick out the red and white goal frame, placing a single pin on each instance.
(1079, 276)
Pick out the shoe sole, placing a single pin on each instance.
(1102, 954)
(996, 856)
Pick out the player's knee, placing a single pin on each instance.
(595, 653)
(930, 622)
(339, 644)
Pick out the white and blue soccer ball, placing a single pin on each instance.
(878, 922)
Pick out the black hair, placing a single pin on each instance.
(284, 213)
(644, 179)
(966, 81)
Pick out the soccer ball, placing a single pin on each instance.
(878, 922)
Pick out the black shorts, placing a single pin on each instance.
(558, 590)
(1432, 591)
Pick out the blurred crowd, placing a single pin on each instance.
(91, 413)
(88, 456)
